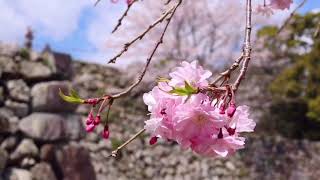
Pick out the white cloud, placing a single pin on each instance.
(55, 19)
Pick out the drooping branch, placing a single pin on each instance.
(154, 24)
(246, 46)
(227, 73)
(115, 152)
(123, 16)
(245, 55)
(140, 77)
(290, 17)
(97, 2)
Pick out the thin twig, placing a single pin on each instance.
(247, 46)
(228, 72)
(96, 3)
(127, 45)
(316, 33)
(291, 16)
(140, 77)
(116, 151)
(123, 16)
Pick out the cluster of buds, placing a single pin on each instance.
(228, 102)
(94, 120)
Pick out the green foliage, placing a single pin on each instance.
(72, 98)
(24, 53)
(268, 31)
(296, 90)
(314, 109)
(187, 90)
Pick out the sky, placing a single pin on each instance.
(71, 26)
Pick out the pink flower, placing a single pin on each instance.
(162, 109)
(227, 145)
(191, 119)
(241, 121)
(264, 10)
(281, 4)
(218, 145)
(190, 72)
(196, 118)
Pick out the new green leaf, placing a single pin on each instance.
(72, 98)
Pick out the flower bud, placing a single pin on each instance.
(231, 110)
(90, 127)
(222, 109)
(90, 118)
(220, 135)
(231, 131)
(105, 132)
(153, 140)
(97, 120)
(92, 101)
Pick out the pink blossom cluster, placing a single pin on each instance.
(267, 9)
(194, 121)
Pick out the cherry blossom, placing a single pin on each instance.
(192, 119)
(190, 72)
(267, 9)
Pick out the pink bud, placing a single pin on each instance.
(153, 140)
(105, 132)
(92, 101)
(231, 131)
(220, 135)
(90, 127)
(222, 109)
(97, 120)
(231, 110)
(90, 118)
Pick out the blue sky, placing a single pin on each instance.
(72, 26)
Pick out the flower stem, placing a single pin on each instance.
(115, 152)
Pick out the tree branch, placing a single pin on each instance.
(140, 77)
(123, 16)
(291, 16)
(115, 152)
(127, 45)
(247, 45)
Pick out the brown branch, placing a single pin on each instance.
(123, 16)
(96, 3)
(291, 16)
(127, 45)
(316, 33)
(116, 151)
(247, 46)
(140, 77)
(228, 72)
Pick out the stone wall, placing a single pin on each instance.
(42, 137)
(39, 133)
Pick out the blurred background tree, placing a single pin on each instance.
(295, 89)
